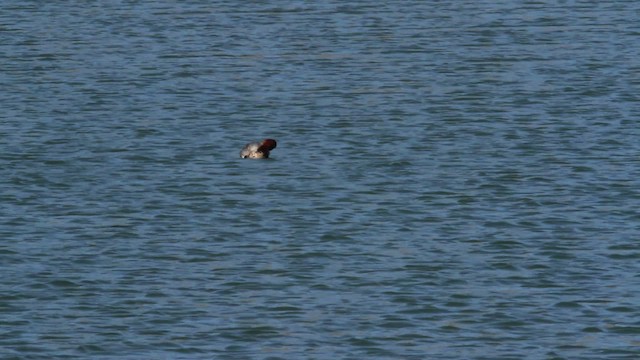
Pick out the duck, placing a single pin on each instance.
(258, 150)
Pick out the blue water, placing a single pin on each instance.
(453, 180)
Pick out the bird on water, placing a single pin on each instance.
(258, 150)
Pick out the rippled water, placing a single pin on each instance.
(453, 180)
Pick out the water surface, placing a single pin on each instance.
(452, 180)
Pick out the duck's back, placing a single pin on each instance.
(250, 151)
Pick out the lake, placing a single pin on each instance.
(452, 180)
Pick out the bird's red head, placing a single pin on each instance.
(268, 145)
